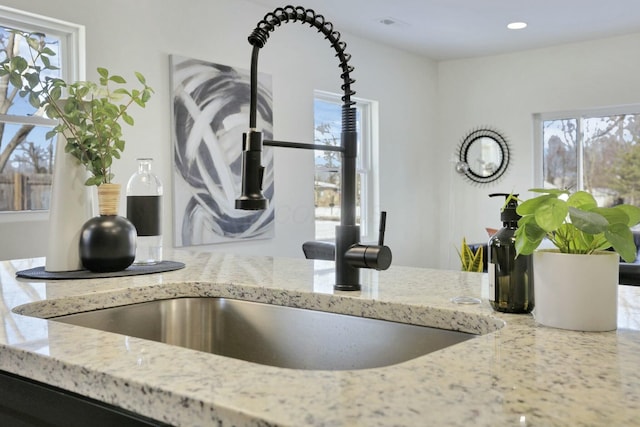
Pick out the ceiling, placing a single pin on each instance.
(453, 29)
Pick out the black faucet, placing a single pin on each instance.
(349, 254)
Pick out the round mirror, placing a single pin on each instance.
(483, 156)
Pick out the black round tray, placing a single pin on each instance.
(133, 270)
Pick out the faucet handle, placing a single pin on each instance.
(377, 257)
(382, 228)
(369, 256)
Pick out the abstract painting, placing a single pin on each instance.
(210, 111)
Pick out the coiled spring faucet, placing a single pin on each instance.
(349, 254)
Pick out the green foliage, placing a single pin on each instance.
(470, 261)
(576, 225)
(89, 116)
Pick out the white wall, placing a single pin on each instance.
(425, 109)
(125, 35)
(504, 92)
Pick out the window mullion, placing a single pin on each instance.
(27, 120)
(580, 153)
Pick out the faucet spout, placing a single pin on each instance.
(349, 254)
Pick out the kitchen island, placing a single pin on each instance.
(513, 372)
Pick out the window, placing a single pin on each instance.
(595, 151)
(26, 156)
(328, 126)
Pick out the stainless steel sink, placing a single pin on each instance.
(269, 334)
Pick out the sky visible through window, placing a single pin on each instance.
(329, 114)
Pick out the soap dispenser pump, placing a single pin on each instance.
(510, 277)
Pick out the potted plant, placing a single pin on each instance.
(576, 284)
(470, 260)
(89, 114)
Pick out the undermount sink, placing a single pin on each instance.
(269, 334)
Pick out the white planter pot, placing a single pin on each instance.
(577, 292)
(70, 208)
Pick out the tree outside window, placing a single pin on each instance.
(596, 153)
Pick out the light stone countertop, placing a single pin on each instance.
(514, 373)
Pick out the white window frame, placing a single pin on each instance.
(579, 115)
(367, 163)
(73, 57)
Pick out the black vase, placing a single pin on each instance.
(107, 243)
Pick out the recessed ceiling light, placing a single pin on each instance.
(517, 25)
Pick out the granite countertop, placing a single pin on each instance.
(513, 373)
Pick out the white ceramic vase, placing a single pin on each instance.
(70, 207)
(576, 292)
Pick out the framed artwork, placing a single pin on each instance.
(210, 112)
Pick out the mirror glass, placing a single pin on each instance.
(483, 156)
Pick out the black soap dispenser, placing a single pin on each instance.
(510, 278)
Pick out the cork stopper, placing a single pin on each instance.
(109, 199)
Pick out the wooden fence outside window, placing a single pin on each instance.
(24, 192)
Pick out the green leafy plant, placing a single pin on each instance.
(89, 115)
(575, 225)
(471, 261)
